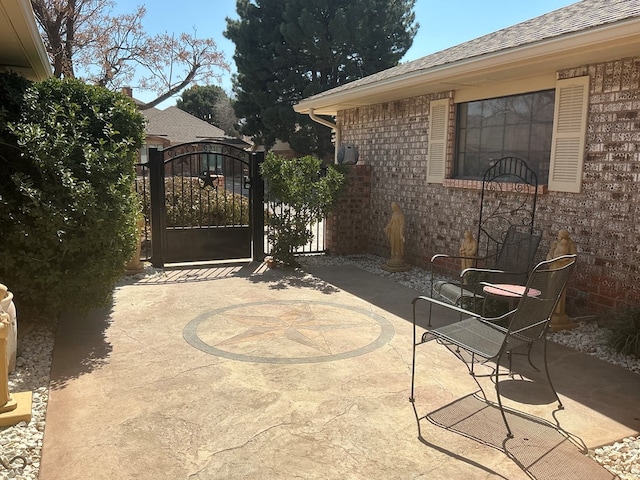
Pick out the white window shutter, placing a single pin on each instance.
(569, 135)
(438, 131)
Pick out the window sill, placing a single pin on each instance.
(477, 185)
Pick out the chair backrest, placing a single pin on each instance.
(517, 252)
(508, 197)
(543, 291)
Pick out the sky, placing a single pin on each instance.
(443, 23)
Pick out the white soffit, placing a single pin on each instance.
(21, 46)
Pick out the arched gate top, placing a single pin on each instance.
(196, 148)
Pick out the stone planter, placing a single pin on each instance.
(135, 265)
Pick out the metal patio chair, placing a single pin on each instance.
(507, 240)
(476, 339)
(511, 264)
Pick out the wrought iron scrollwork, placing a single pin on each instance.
(181, 150)
(509, 195)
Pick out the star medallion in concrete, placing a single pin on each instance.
(288, 332)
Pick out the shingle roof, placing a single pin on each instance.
(577, 17)
(179, 126)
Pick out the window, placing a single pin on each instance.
(517, 125)
(144, 151)
(211, 162)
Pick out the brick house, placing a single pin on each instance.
(172, 126)
(561, 91)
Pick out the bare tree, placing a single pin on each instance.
(85, 40)
(226, 116)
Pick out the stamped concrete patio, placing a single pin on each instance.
(240, 372)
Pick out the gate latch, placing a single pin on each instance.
(247, 182)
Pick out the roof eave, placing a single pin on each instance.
(551, 54)
(20, 15)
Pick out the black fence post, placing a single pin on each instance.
(156, 190)
(257, 207)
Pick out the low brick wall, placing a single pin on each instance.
(348, 229)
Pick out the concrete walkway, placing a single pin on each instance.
(237, 372)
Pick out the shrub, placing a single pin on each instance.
(67, 204)
(625, 331)
(302, 195)
(12, 88)
(190, 206)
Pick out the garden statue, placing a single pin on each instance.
(17, 407)
(468, 249)
(395, 234)
(7, 306)
(5, 398)
(562, 245)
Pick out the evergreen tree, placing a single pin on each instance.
(287, 50)
(200, 101)
(211, 104)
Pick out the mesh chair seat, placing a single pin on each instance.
(453, 293)
(481, 338)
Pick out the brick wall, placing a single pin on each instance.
(604, 219)
(606, 216)
(348, 229)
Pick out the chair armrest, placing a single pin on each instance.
(446, 305)
(482, 260)
(495, 275)
(455, 308)
(441, 256)
(491, 320)
(457, 257)
(480, 270)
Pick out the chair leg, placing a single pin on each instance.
(529, 348)
(415, 413)
(504, 417)
(546, 370)
(413, 374)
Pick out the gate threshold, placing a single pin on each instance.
(207, 263)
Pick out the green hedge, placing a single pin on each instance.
(67, 202)
(189, 205)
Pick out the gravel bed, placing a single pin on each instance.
(33, 367)
(32, 373)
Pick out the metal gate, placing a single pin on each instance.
(206, 202)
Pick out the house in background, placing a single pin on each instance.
(280, 148)
(173, 126)
(561, 91)
(21, 47)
